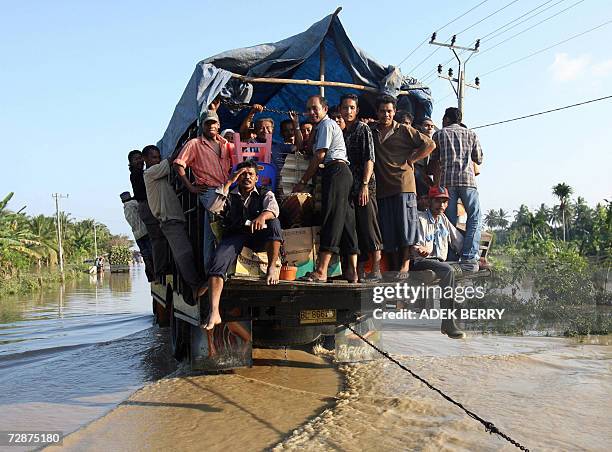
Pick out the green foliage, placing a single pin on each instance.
(27, 242)
(119, 255)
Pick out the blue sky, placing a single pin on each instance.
(82, 83)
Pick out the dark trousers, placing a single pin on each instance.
(182, 252)
(232, 243)
(159, 245)
(144, 245)
(369, 236)
(338, 227)
(443, 270)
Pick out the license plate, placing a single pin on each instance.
(310, 316)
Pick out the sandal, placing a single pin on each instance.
(402, 276)
(311, 277)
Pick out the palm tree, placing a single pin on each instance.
(15, 236)
(502, 219)
(44, 228)
(563, 192)
(491, 219)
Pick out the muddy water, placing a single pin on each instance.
(78, 357)
(546, 393)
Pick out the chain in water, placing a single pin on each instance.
(489, 426)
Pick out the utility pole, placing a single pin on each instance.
(95, 240)
(460, 80)
(57, 197)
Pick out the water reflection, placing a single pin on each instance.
(70, 353)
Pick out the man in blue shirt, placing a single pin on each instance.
(338, 213)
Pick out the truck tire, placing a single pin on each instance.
(180, 336)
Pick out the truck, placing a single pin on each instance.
(281, 76)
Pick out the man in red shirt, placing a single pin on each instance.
(209, 157)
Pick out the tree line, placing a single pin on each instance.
(573, 221)
(30, 242)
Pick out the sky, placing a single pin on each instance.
(83, 83)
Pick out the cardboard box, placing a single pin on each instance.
(301, 245)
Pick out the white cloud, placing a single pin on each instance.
(602, 69)
(565, 68)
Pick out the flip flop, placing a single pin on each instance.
(402, 276)
(311, 277)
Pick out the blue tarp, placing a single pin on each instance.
(295, 57)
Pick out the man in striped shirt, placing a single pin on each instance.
(457, 149)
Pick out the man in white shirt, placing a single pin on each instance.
(141, 235)
(435, 233)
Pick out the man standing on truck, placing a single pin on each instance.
(250, 218)
(457, 149)
(435, 233)
(360, 150)
(338, 212)
(398, 148)
(167, 208)
(209, 157)
(159, 244)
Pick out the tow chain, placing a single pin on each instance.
(489, 426)
(237, 106)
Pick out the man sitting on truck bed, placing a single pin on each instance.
(250, 217)
(434, 235)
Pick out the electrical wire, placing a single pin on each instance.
(465, 29)
(529, 28)
(432, 73)
(485, 18)
(440, 29)
(543, 112)
(545, 49)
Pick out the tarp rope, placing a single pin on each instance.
(489, 426)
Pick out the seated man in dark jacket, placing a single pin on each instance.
(250, 218)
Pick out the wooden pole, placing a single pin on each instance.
(290, 81)
(322, 67)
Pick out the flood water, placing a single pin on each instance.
(68, 357)
(70, 354)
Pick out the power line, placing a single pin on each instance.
(440, 29)
(465, 29)
(529, 28)
(546, 48)
(544, 112)
(490, 15)
(432, 73)
(494, 32)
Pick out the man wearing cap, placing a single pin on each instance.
(434, 235)
(457, 149)
(338, 213)
(167, 208)
(209, 157)
(141, 235)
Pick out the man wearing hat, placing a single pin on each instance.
(141, 235)
(209, 157)
(435, 233)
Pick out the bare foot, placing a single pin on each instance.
(213, 319)
(272, 275)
